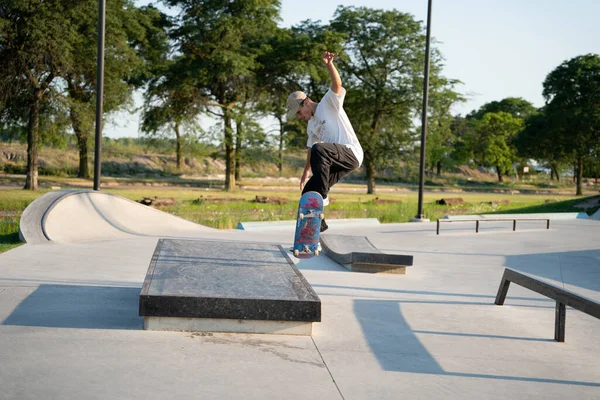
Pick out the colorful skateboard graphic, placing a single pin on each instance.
(308, 225)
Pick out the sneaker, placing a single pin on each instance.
(324, 225)
(326, 201)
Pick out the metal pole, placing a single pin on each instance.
(420, 216)
(99, 91)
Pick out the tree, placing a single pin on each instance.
(36, 42)
(572, 93)
(463, 129)
(219, 43)
(515, 106)
(538, 141)
(135, 40)
(382, 68)
(492, 145)
(440, 137)
(172, 105)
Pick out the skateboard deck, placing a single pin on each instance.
(308, 225)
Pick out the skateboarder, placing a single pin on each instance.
(333, 148)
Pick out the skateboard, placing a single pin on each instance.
(308, 225)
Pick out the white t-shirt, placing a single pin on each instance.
(330, 124)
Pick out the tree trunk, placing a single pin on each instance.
(499, 174)
(84, 169)
(239, 135)
(82, 144)
(439, 168)
(229, 152)
(370, 167)
(554, 172)
(579, 176)
(280, 164)
(31, 182)
(179, 146)
(368, 159)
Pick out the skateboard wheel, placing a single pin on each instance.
(296, 253)
(316, 252)
(301, 216)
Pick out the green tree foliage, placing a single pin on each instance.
(492, 143)
(441, 140)
(36, 46)
(171, 107)
(572, 93)
(462, 130)
(219, 43)
(130, 34)
(382, 67)
(475, 140)
(515, 106)
(538, 141)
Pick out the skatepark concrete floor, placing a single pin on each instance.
(70, 327)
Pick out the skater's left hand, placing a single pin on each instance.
(328, 57)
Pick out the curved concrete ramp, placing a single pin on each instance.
(84, 216)
(30, 224)
(358, 254)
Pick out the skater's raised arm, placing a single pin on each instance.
(336, 81)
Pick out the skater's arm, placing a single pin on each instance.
(336, 81)
(306, 171)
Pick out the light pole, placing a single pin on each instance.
(420, 217)
(99, 91)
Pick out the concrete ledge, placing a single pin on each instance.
(357, 254)
(227, 325)
(208, 281)
(569, 215)
(291, 224)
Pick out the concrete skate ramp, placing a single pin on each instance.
(85, 216)
(358, 254)
(596, 216)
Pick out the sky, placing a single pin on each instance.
(496, 48)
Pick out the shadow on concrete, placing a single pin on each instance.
(397, 348)
(83, 307)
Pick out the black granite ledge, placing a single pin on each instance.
(226, 280)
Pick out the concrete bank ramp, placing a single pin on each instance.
(358, 254)
(596, 216)
(71, 216)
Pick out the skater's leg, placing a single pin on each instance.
(330, 162)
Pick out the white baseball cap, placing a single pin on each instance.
(293, 102)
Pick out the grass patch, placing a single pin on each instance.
(9, 241)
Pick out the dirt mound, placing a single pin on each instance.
(478, 174)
